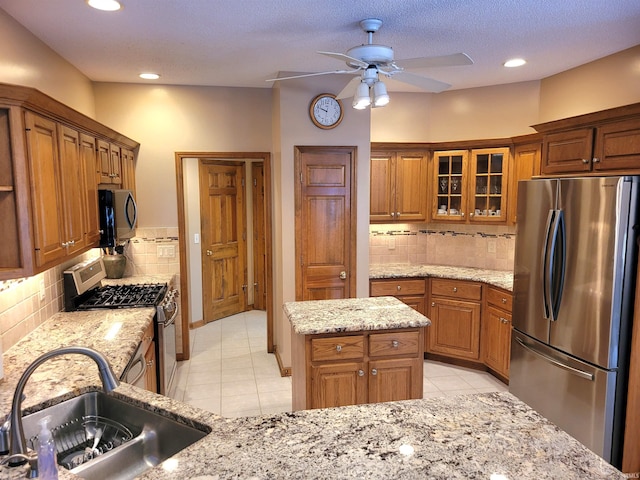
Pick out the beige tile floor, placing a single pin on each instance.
(230, 372)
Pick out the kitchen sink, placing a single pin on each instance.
(128, 439)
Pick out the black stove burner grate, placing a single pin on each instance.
(124, 296)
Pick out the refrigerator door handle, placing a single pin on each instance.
(557, 363)
(546, 270)
(553, 267)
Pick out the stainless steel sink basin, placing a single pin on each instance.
(132, 439)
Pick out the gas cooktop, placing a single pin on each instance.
(123, 296)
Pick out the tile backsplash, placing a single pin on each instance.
(22, 308)
(490, 247)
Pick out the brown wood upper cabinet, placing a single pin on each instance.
(600, 143)
(398, 187)
(50, 168)
(110, 163)
(470, 185)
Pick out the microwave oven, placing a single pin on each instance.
(118, 216)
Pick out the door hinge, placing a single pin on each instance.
(301, 177)
(255, 182)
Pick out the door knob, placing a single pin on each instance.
(209, 253)
(343, 275)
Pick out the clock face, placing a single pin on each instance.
(326, 111)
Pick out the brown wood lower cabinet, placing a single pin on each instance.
(455, 319)
(332, 370)
(496, 335)
(149, 349)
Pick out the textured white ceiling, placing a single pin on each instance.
(244, 42)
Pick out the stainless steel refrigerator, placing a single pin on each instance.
(574, 286)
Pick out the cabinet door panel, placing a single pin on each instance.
(338, 385)
(497, 340)
(72, 187)
(567, 152)
(382, 191)
(395, 379)
(411, 187)
(45, 193)
(618, 146)
(455, 328)
(92, 178)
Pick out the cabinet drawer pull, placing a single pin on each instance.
(361, 373)
(338, 348)
(374, 371)
(395, 344)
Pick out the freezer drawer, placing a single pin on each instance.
(576, 396)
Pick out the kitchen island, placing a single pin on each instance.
(470, 436)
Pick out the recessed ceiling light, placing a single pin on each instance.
(149, 76)
(106, 5)
(515, 62)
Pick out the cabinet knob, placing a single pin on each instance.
(504, 300)
(433, 304)
(397, 214)
(395, 344)
(455, 289)
(149, 363)
(585, 161)
(374, 371)
(596, 160)
(504, 320)
(462, 214)
(393, 214)
(361, 373)
(399, 287)
(338, 348)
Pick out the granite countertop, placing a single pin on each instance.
(352, 315)
(471, 436)
(498, 278)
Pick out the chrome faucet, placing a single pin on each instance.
(17, 443)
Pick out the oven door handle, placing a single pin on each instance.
(140, 360)
(170, 321)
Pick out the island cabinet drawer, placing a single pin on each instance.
(499, 298)
(337, 348)
(456, 289)
(381, 288)
(394, 344)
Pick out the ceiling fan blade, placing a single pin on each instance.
(302, 75)
(355, 62)
(425, 83)
(455, 60)
(350, 89)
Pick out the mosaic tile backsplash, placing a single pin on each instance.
(489, 247)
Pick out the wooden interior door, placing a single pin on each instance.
(223, 230)
(259, 240)
(325, 222)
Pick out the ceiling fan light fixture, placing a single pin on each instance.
(105, 5)
(515, 62)
(362, 99)
(380, 95)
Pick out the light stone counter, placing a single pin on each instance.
(498, 278)
(352, 315)
(472, 436)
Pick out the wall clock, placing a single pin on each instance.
(326, 111)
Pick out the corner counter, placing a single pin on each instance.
(497, 278)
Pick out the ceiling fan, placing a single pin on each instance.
(371, 61)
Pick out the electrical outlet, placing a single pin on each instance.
(491, 245)
(166, 251)
(392, 243)
(41, 290)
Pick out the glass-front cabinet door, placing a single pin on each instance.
(488, 185)
(450, 185)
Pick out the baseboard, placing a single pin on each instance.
(284, 371)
